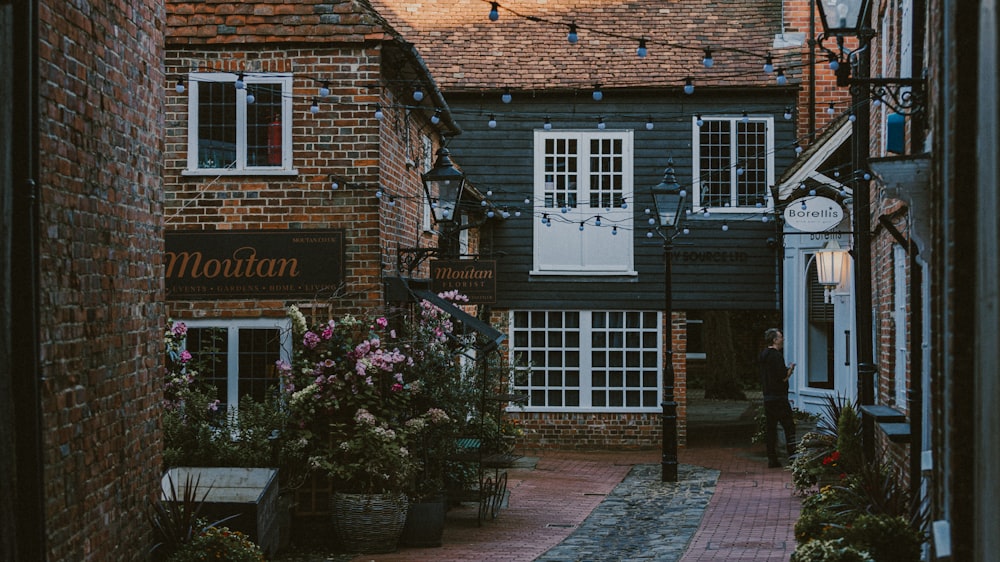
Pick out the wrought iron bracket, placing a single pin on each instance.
(409, 259)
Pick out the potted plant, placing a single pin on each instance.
(355, 396)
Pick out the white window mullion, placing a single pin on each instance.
(233, 367)
(241, 129)
(586, 360)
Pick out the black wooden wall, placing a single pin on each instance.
(712, 268)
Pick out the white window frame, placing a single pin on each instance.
(426, 162)
(561, 247)
(241, 166)
(899, 297)
(649, 338)
(767, 202)
(233, 327)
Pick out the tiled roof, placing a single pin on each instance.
(529, 51)
(304, 21)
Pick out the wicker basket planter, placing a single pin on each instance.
(369, 523)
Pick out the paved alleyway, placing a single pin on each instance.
(610, 506)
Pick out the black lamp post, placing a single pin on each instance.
(444, 185)
(668, 199)
(849, 18)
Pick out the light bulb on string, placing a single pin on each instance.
(506, 97)
(780, 78)
(250, 97)
(527, 201)
(314, 108)
(745, 118)
(698, 120)
(852, 117)
(581, 226)
(418, 94)
(600, 123)
(324, 90)
(642, 51)
(834, 63)
(436, 118)
(179, 88)
(597, 221)
(598, 95)
(769, 64)
(240, 82)
(798, 149)
(649, 123)
(378, 112)
(614, 231)
(831, 109)
(572, 36)
(788, 112)
(492, 122)
(688, 86)
(547, 125)
(494, 11)
(725, 226)
(708, 61)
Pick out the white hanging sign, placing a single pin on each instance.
(813, 214)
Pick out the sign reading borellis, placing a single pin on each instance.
(476, 279)
(253, 264)
(814, 214)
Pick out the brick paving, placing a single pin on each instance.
(561, 507)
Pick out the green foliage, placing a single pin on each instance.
(888, 538)
(174, 519)
(849, 439)
(199, 431)
(218, 543)
(829, 551)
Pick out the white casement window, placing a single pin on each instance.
(583, 185)
(238, 357)
(426, 163)
(899, 296)
(733, 163)
(580, 360)
(245, 131)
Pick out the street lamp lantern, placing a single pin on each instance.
(444, 185)
(831, 264)
(843, 17)
(668, 198)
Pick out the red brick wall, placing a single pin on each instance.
(342, 139)
(797, 14)
(101, 131)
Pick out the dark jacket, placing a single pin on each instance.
(772, 374)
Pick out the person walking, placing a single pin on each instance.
(774, 375)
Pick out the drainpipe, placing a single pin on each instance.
(26, 384)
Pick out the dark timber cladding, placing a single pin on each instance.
(713, 269)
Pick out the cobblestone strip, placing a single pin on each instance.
(641, 519)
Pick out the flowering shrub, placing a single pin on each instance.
(368, 399)
(218, 543)
(199, 431)
(829, 551)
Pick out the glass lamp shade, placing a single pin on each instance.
(443, 185)
(842, 17)
(831, 264)
(668, 198)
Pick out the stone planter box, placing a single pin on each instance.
(251, 494)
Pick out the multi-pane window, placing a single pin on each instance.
(734, 162)
(592, 360)
(819, 368)
(239, 130)
(583, 181)
(238, 358)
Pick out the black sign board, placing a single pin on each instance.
(476, 279)
(253, 264)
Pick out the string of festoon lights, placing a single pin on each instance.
(323, 95)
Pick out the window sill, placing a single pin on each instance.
(215, 172)
(562, 275)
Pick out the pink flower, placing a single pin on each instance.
(310, 340)
(185, 356)
(396, 387)
(179, 329)
(213, 406)
(382, 322)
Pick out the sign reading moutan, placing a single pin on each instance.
(253, 264)
(476, 279)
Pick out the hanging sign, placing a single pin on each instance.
(814, 214)
(253, 264)
(476, 279)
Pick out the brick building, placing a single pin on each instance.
(80, 173)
